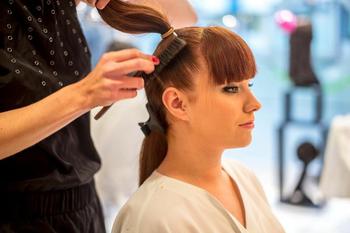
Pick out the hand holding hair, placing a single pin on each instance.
(109, 81)
(105, 84)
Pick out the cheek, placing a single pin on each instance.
(225, 111)
(218, 116)
(219, 123)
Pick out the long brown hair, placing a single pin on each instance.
(226, 55)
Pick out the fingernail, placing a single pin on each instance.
(155, 60)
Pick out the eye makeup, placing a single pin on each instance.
(231, 89)
(235, 88)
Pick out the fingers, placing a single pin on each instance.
(116, 70)
(125, 54)
(102, 4)
(110, 81)
(132, 83)
(127, 94)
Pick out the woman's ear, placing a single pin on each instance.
(176, 102)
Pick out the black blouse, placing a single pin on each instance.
(42, 49)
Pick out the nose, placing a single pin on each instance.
(252, 104)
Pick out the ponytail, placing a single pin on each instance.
(135, 19)
(153, 151)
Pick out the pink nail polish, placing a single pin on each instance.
(155, 60)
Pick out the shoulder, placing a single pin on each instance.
(154, 207)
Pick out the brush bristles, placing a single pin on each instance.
(174, 47)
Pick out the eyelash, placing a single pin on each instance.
(231, 89)
(234, 89)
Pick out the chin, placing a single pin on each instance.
(241, 143)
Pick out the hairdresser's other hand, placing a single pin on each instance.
(100, 4)
(108, 81)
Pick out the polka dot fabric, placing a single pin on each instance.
(42, 49)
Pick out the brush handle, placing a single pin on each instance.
(102, 112)
(105, 108)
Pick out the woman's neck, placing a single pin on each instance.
(192, 160)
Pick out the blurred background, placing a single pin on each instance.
(300, 150)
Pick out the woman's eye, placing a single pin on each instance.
(231, 89)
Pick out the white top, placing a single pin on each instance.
(167, 205)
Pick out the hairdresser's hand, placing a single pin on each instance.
(109, 82)
(100, 4)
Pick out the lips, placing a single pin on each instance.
(248, 125)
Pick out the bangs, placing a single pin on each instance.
(227, 55)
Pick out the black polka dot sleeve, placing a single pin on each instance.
(42, 49)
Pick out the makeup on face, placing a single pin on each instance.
(236, 87)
